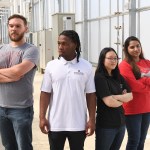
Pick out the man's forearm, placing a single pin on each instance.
(5, 79)
(18, 70)
(8, 72)
(91, 104)
(44, 103)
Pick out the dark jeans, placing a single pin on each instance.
(16, 128)
(76, 140)
(137, 127)
(109, 139)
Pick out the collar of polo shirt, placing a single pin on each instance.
(74, 61)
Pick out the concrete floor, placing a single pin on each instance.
(40, 141)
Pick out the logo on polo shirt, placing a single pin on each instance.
(78, 72)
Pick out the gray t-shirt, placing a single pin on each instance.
(18, 94)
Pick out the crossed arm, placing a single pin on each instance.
(15, 72)
(117, 100)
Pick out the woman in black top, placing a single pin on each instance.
(111, 91)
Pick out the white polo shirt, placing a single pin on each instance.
(68, 82)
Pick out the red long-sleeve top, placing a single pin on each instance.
(140, 88)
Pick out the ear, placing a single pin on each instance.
(75, 45)
(27, 29)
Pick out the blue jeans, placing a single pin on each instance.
(16, 128)
(137, 127)
(76, 140)
(109, 139)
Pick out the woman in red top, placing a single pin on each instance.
(136, 70)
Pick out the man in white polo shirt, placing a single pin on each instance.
(69, 91)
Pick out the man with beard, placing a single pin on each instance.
(18, 63)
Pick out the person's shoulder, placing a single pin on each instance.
(28, 45)
(53, 62)
(123, 63)
(100, 75)
(3, 45)
(85, 62)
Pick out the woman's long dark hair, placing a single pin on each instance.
(101, 68)
(73, 35)
(129, 58)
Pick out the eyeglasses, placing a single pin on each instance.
(112, 59)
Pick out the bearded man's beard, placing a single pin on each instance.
(16, 39)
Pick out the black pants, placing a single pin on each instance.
(76, 140)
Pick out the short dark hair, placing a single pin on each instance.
(18, 16)
(101, 68)
(73, 35)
